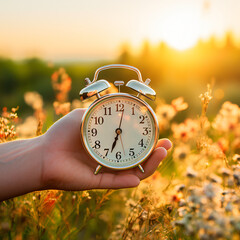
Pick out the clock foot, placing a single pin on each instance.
(141, 168)
(98, 168)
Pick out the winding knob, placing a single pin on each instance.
(148, 80)
(87, 81)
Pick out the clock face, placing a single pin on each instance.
(119, 131)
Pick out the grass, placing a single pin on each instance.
(194, 194)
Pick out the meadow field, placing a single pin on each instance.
(194, 194)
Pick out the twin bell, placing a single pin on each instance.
(96, 86)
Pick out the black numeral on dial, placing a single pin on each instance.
(107, 150)
(107, 111)
(141, 143)
(97, 144)
(145, 132)
(142, 118)
(133, 111)
(99, 120)
(119, 107)
(131, 152)
(118, 155)
(94, 132)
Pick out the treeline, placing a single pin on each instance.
(163, 65)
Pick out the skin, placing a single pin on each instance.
(57, 160)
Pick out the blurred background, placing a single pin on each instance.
(48, 48)
(181, 45)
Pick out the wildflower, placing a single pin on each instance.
(206, 97)
(222, 200)
(191, 173)
(236, 142)
(61, 108)
(228, 118)
(180, 187)
(175, 198)
(225, 192)
(130, 203)
(86, 194)
(225, 172)
(214, 178)
(236, 175)
(49, 202)
(74, 196)
(5, 113)
(181, 223)
(212, 216)
(144, 215)
(165, 113)
(229, 207)
(153, 218)
(182, 203)
(182, 211)
(186, 130)
(180, 131)
(236, 158)
(7, 125)
(194, 201)
(230, 182)
(34, 100)
(209, 191)
(14, 110)
(76, 104)
(61, 83)
(223, 143)
(181, 152)
(28, 127)
(179, 104)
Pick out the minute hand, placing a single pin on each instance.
(121, 120)
(118, 131)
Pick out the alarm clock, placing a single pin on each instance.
(119, 130)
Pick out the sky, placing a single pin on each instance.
(96, 29)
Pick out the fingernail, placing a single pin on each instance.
(163, 150)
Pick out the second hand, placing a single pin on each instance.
(122, 144)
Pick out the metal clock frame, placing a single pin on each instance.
(83, 134)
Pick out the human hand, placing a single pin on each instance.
(67, 166)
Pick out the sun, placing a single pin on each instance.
(179, 27)
(181, 30)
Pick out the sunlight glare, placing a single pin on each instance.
(180, 28)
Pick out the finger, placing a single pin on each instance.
(115, 181)
(150, 165)
(165, 143)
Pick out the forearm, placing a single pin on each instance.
(20, 167)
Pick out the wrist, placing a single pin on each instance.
(21, 167)
(33, 160)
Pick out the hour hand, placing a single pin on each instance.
(114, 143)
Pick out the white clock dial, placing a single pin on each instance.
(119, 131)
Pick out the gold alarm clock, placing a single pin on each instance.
(119, 130)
